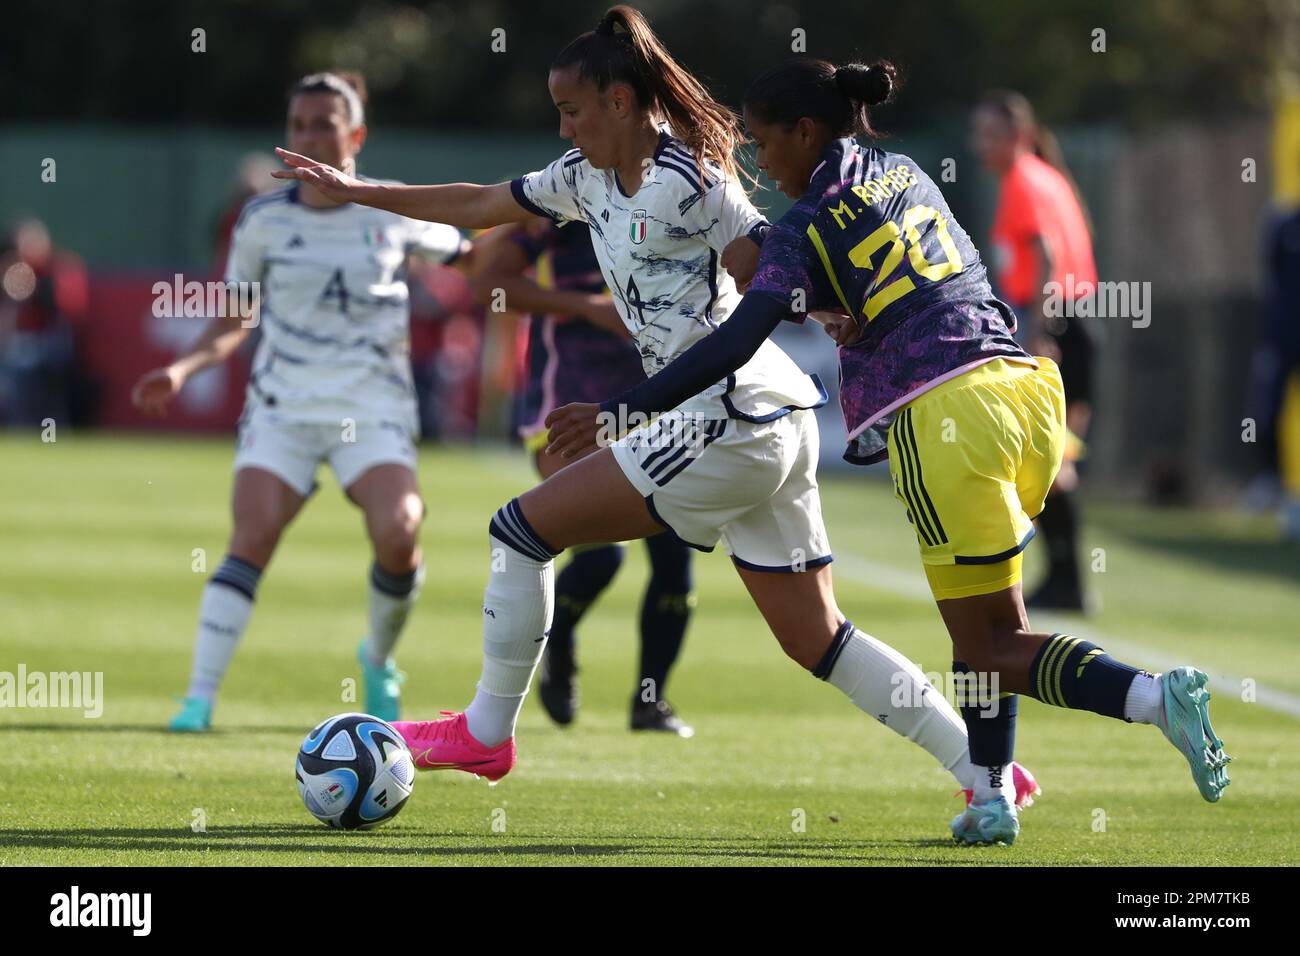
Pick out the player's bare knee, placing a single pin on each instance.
(998, 650)
(254, 541)
(410, 514)
(395, 534)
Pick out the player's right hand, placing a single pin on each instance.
(838, 326)
(156, 389)
(330, 181)
(740, 259)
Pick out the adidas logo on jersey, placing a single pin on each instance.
(297, 242)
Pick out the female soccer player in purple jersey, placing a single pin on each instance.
(735, 460)
(579, 350)
(972, 425)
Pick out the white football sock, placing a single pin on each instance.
(517, 609)
(1142, 703)
(224, 610)
(993, 782)
(391, 598)
(889, 687)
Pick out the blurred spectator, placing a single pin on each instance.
(1042, 235)
(1276, 360)
(251, 178)
(42, 292)
(447, 345)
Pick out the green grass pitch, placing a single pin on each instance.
(98, 535)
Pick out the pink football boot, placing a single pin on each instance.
(1026, 786)
(447, 744)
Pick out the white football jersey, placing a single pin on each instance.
(659, 251)
(335, 314)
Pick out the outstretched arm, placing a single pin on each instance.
(500, 265)
(466, 205)
(220, 338)
(574, 429)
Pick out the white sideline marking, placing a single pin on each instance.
(912, 586)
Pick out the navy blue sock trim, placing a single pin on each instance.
(394, 585)
(1070, 672)
(510, 526)
(517, 513)
(251, 595)
(990, 736)
(241, 564)
(827, 664)
(239, 575)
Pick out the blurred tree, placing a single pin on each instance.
(428, 63)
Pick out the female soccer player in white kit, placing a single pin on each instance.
(331, 381)
(736, 462)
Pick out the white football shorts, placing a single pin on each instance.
(293, 449)
(751, 484)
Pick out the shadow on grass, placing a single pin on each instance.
(1256, 555)
(396, 843)
(96, 726)
(300, 730)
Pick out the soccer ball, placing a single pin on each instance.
(354, 772)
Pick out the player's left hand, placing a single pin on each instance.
(573, 430)
(740, 259)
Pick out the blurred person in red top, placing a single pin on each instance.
(42, 291)
(1041, 235)
(252, 178)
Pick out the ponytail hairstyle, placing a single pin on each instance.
(345, 83)
(1017, 111)
(623, 49)
(839, 97)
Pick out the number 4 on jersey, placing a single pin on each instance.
(634, 299)
(336, 289)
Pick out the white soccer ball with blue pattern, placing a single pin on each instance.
(354, 772)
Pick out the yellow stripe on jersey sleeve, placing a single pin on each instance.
(826, 261)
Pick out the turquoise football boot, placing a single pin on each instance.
(1184, 719)
(383, 687)
(194, 718)
(987, 823)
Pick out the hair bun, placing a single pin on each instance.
(870, 85)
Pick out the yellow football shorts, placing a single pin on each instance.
(536, 441)
(972, 461)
